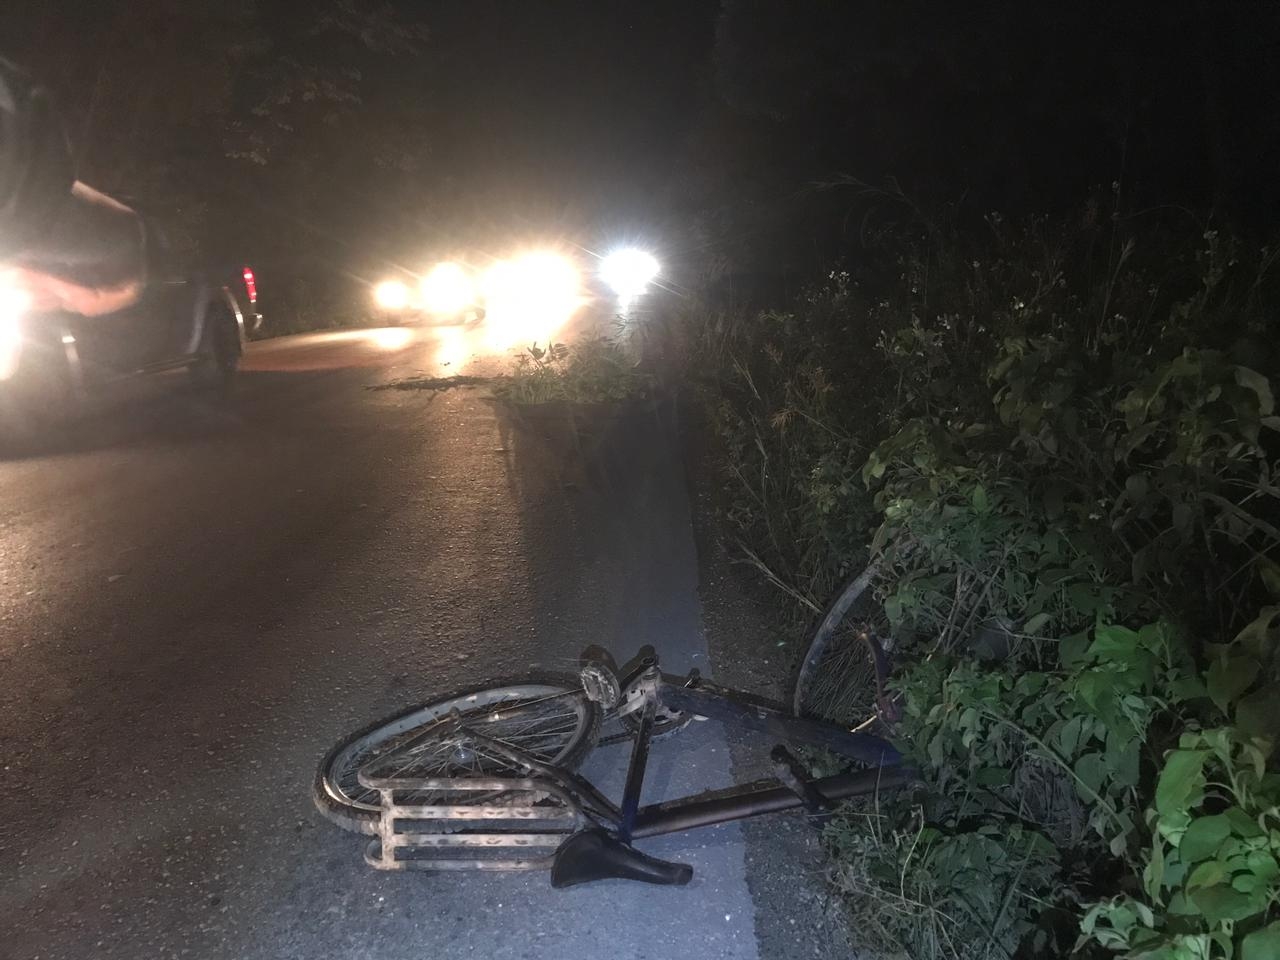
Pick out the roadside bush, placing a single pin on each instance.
(592, 370)
(797, 398)
(1063, 443)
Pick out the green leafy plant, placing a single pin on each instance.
(1211, 874)
(1063, 446)
(594, 370)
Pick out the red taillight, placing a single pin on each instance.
(250, 285)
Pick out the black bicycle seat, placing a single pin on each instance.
(594, 855)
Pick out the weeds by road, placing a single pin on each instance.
(1074, 428)
(593, 370)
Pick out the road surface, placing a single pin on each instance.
(197, 599)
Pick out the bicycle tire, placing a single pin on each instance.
(842, 674)
(333, 799)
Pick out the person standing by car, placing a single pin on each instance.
(63, 245)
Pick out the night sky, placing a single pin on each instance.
(569, 114)
(296, 129)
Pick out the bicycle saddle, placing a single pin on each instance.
(594, 855)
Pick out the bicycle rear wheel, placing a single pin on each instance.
(556, 723)
(841, 678)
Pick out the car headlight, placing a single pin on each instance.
(629, 272)
(528, 299)
(447, 290)
(391, 295)
(13, 304)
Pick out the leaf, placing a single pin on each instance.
(1084, 597)
(1123, 757)
(1220, 903)
(1203, 838)
(1263, 865)
(1096, 688)
(1035, 624)
(1248, 883)
(1258, 636)
(1136, 486)
(1228, 677)
(992, 777)
(1180, 780)
(1208, 874)
(1091, 769)
(1112, 642)
(1072, 649)
(1242, 823)
(1253, 380)
(979, 499)
(1256, 714)
(1072, 735)
(1269, 572)
(1136, 438)
(1262, 944)
(1153, 872)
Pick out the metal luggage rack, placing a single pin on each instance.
(413, 835)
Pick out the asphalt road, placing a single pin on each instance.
(197, 599)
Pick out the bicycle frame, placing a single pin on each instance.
(563, 805)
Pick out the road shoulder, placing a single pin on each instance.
(795, 914)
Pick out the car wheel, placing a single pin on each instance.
(215, 365)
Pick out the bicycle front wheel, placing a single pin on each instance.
(555, 723)
(841, 678)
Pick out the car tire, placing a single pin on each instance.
(214, 368)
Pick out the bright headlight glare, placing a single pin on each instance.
(447, 289)
(547, 279)
(528, 299)
(10, 345)
(391, 295)
(499, 283)
(539, 281)
(629, 272)
(13, 300)
(13, 303)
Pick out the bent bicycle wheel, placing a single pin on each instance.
(556, 723)
(841, 678)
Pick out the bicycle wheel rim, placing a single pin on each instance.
(842, 676)
(566, 733)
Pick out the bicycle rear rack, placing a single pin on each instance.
(416, 835)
